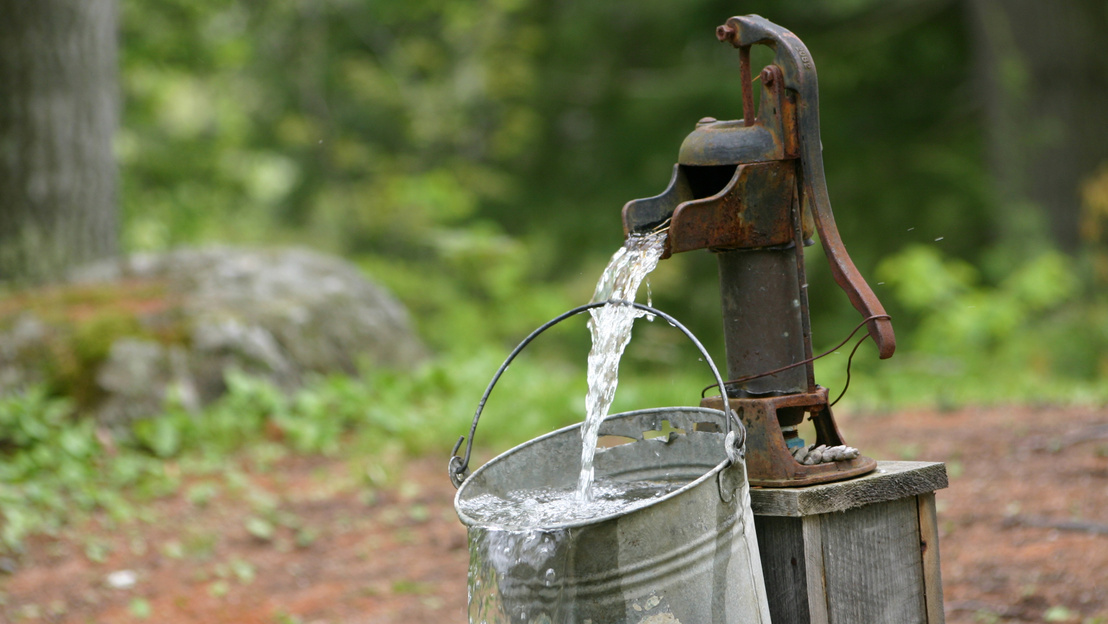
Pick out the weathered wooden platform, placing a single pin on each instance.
(860, 551)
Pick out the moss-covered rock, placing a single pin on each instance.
(120, 335)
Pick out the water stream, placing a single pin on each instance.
(610, 327)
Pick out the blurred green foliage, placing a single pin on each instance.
(469, 150)
(474, 155)
(1033, 337)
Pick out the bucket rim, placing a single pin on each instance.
(473, 523)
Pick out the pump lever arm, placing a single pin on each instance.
(799, 75)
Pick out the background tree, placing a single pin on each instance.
(1043, 80)
(58, 117)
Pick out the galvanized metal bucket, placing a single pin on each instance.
(688, 557)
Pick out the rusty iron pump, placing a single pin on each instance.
(753, 191)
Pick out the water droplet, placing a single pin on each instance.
(938, 239)
(911, 228)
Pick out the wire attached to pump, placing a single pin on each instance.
(849, 359)
(806, 361)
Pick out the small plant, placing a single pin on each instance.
(260, 528)
(140, 608)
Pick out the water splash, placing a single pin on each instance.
(504, 562)
(610, 327)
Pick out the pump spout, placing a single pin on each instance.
(643, 215)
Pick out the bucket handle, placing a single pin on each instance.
(458, 467)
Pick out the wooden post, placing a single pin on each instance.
(862, 550)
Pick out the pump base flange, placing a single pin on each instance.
(769, 462)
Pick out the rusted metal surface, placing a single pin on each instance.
(768, 460)
(746, 214)
(752, 281)
(754, 191)
(771, 136)
(748, 93)
(799, 76)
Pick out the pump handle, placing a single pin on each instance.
(799, 75)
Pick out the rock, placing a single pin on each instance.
(25, 339)
(800, 453)
(122, 579)
(179, 320)
(137, 377)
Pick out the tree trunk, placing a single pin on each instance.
(1043, 74)
(58, 116)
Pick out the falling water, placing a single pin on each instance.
(610, 327)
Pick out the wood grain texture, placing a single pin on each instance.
(781, 549)
(873, 565)
(816, 569)
(929, 546)
(891, 481)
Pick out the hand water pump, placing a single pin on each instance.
(752, 191)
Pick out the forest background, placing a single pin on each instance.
(473, 157)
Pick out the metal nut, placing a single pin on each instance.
(767, 77)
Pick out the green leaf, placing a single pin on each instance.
(140, 608)
(260, 528)
(1059, 614)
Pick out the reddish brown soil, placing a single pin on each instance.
(1024, 535)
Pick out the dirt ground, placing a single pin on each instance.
(1024, 535)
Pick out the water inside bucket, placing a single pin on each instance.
(534, 508)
